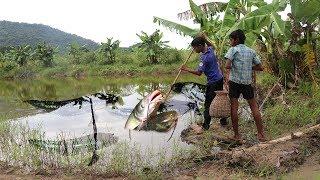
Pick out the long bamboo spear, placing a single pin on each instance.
(175, 80)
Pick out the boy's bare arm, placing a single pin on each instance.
(257, 67)
(228, 67)
(184, 68)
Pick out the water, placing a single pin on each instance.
(73, 121)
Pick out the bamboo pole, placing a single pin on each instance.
(175, 80)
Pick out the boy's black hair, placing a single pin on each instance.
(238, 34)
(198, 41)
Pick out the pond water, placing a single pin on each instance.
(75, 119)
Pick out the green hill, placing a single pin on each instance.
(14, 34)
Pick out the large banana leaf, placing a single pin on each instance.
(175, 27)
(211, 8)
(229, 18)
(199, 16)
(254, 21)
(306, 11)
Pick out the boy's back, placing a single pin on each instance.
(242, 58)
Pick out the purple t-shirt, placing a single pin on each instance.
(209, 66)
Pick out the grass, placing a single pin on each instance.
(122, 159)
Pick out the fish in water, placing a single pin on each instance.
(146, 109)
(156, 115)
(71, 146)
(162, 122)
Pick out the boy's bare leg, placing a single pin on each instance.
(257, 118)
(235, 118)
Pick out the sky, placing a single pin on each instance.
(99, 19)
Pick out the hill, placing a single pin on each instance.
(14, 34)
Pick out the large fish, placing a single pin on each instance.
(151, 114)
(145, 110)
(162, 122)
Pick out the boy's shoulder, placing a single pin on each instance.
(244, 48)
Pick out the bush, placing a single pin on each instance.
(266, 80)
(7, 66)
(170, 56)
(124, 57)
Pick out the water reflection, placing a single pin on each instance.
(74, 109)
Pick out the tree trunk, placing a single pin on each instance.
(154, 60)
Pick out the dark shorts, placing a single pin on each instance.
(236, 89)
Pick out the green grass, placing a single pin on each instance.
(121, 159)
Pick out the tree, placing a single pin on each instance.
(109, 50)
(152, 45)
(77, 52)
(44, 53)
(236, 14)
(21, 54)
(284, 42)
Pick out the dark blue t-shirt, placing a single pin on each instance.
(209, 66)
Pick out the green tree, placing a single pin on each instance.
(152, 45)
(109, 49)
(20, 54)
(236, 14)
(44, 53)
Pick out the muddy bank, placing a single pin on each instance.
(281, 157)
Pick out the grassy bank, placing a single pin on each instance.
(283, 113)
(81, 71)
(92, 63)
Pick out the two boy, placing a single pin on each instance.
(240, 62)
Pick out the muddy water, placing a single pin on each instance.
(73, 121)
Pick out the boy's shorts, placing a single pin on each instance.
(236, 89)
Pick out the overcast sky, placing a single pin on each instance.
(99, 19)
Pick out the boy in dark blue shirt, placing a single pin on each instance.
(210, 67)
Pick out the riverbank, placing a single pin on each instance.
(283, 113)
(84, 71)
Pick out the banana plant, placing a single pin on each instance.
(237, 14)
(152, 45)
(21, 54)
(304, 18)
(109, 49)
(44, 53)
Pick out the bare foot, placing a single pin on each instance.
(197, 129)
(261, 138)
(237, 138)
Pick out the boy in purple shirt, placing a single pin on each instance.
(210, 67)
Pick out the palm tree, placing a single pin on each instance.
(152, 45)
